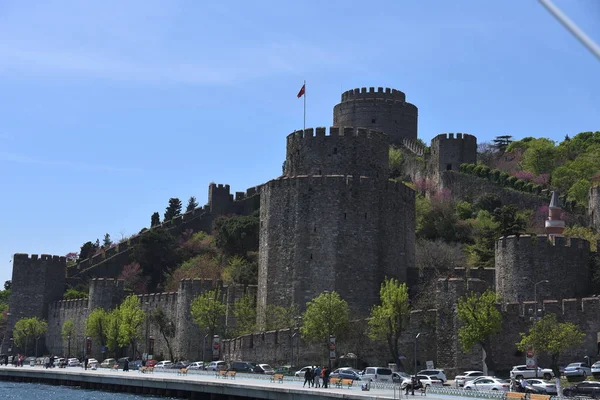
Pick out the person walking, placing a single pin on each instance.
(317, 379)
(85, 363)
(307, 377)
(326, 377)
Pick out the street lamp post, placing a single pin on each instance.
(416, 346)
(204, 349)
(328, 293)
(11, 351)
(68, 346)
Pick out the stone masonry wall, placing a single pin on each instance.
(385, 110)
(333, 233)
(348, 151)
(522, 261)
(449, 151)
(594, 207)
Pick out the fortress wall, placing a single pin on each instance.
(471, 188)
(149, 303)
(338, 224)
(384, 110)
(522, 261)
(448, 151)
(58, 313)
(351, 151)
(594, 207)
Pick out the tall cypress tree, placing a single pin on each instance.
(173, 210)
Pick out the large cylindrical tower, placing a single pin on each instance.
(384, 110)
(333, 222)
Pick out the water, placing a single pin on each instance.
(36, 391)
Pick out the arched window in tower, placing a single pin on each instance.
(373, 120)
(344, 215)
(335, 150)
(365, 215)
(448, 167)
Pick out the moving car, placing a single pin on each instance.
(521, 371)
(377, 374)
(577, 369)
(345, 373)
(467, 376)
(436, 373)
(488, 383)
(547, 387)
(585, 388)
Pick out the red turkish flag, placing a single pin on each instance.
(302, 90)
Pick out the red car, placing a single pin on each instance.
(151, 363)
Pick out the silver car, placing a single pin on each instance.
(466, 377)
(578, 369)
(596, 369)
(549, 387)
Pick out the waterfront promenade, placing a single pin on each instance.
(194, 385)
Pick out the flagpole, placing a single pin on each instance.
(304, 129)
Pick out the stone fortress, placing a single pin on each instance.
(334, 214)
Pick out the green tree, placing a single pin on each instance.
(97, 326)
(395, 162)
(7, 284)
(390, 318)
(509, 221)
(192, 204)
(279, 317)
(166, 326)
(540, 156)
(240, 271)
(131, 317)
(173, 210)
(156, 252)
(485, 233)
(207, 312)
(502, 142)
(237, 235)
(326, 315)
(579, 192)
(88, 249)
(480, 319)
(552, 337)
(72, 294)
(107, 242)
(27, 330)
(68, 329)
(244, 311)
(155, 219)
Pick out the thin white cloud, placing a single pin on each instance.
(23, 159)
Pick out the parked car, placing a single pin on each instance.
(425, 380)
(578, 369)
(264, 369)
(300, 373)
(398, 377)
(135, 365)
(585, 388)
(521, 371)
(547, 387)
(108, 363)
(488, 383)
(198, 365)
(467, 376)
(217, 366)
(93, 363)
(596, 369)
(59, 361)
(151, 363)
(73, 362)
(165, 364)
(241, 366)
(180, 365)
(437, 373)
(286, 370)
(377, 374)
(345, 373)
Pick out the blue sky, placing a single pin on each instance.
(108, 109)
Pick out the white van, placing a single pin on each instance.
(377, 374)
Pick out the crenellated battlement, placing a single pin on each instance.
(153, 298)
(578, 309)
(74, 304)
(451, 136)
(371, 93)
(43, 257)
(334, 131)
(528, 241)
(199, 285)
(413, 146)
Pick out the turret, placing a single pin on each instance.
(554, 224)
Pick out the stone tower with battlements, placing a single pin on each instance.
(450, 150)
(37, 281)
(334, 221)
(383, 109)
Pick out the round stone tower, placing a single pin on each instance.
(333, 221)
(384, 110)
